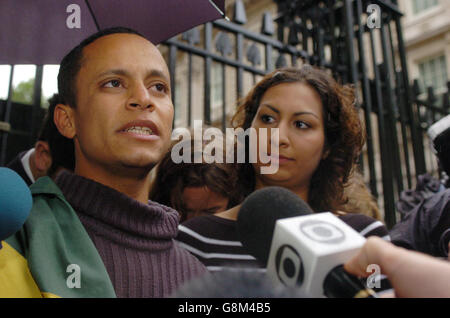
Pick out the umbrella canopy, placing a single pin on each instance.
(43, 31)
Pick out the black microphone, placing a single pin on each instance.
(301, 248)
(259, 213)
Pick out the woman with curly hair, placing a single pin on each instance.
(320, 139)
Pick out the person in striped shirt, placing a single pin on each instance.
(213, 240)
(320, 139)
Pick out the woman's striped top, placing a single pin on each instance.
(214, 241)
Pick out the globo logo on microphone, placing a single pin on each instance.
(288, 262)
(322, 232)
(289, 266)
(306, 248)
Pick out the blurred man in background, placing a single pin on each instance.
(51, 153)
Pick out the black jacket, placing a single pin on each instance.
(17, 166)
(426, 226)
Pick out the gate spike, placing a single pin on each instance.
(240, 16)
(267, 24)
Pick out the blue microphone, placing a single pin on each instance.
(15, 203)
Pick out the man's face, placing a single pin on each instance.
(124, 112)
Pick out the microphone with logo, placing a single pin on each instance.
(301, 248)
(15, 203)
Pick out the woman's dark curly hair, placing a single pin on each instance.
(344, 137)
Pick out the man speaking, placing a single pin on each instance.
(94, 233)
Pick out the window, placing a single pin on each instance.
(422, 5)
(178, 105)
(49, 83)
(217, 91)
(5, 71)
(23, 84)
(433, 72)
(216, 76)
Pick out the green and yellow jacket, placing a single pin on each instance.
(41, 259)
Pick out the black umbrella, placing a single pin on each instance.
(43, 31)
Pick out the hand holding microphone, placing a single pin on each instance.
(301, 248)
(412, 274)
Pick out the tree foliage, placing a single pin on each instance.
(24, 91)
